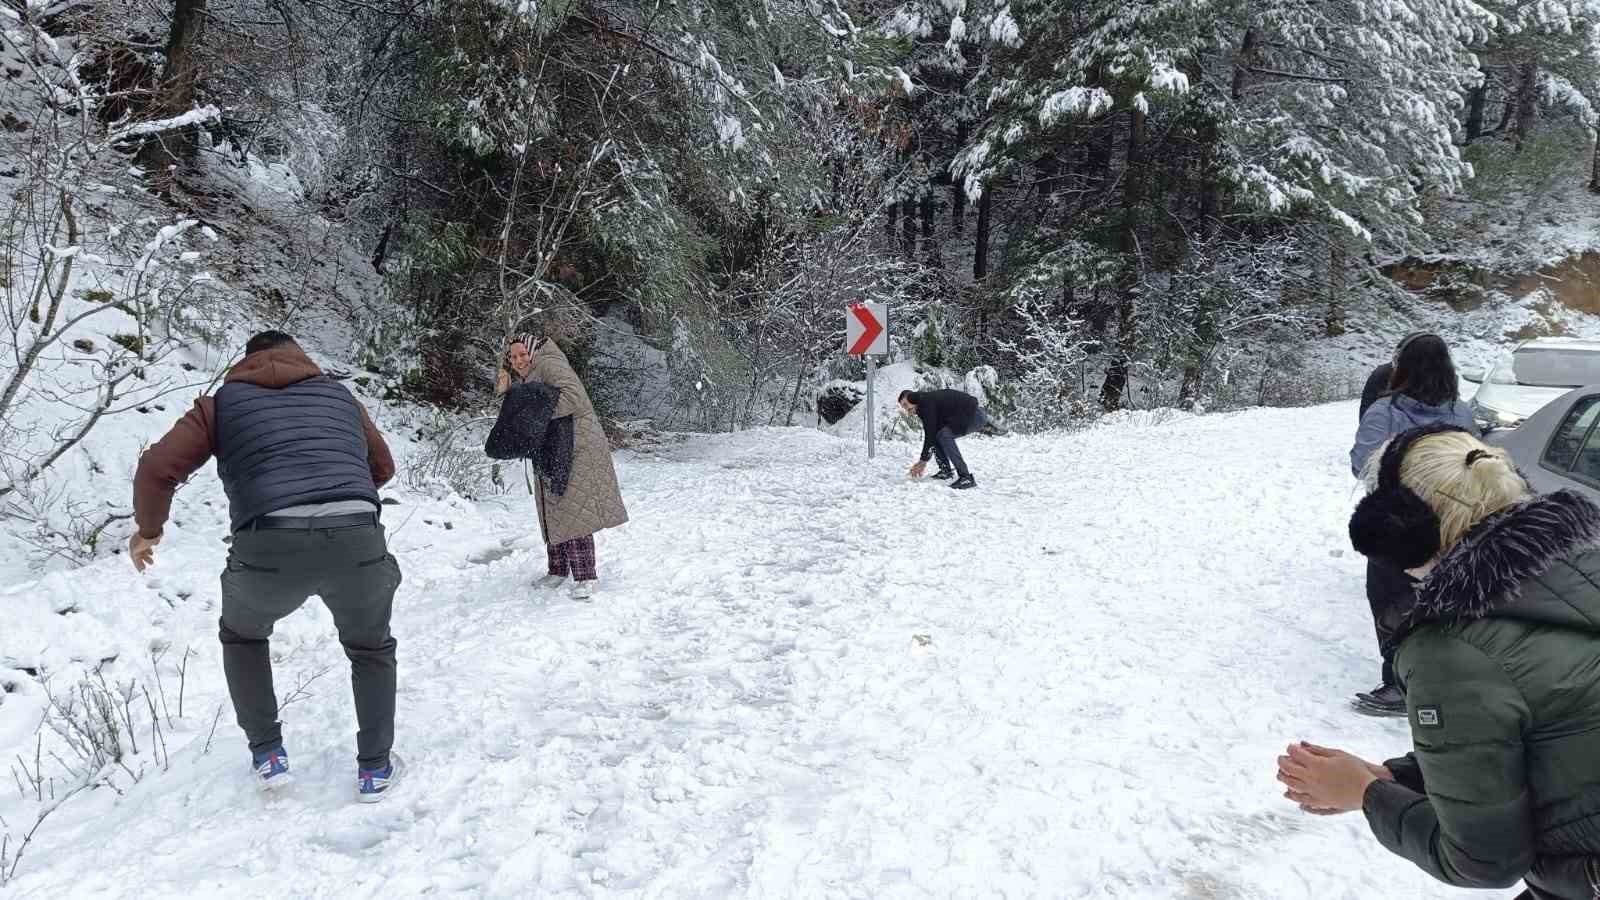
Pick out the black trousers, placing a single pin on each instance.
(1389, 595)
(270, 574)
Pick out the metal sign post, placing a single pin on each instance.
(866, 333)
(872, 409)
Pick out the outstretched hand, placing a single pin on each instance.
(1324, 781)
(142, 550)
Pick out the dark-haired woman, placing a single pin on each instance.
(1423, 390)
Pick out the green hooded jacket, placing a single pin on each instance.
(1499, 658)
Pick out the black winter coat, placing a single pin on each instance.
(955, 410)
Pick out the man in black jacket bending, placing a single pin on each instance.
(946, 415)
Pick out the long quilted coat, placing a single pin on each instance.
(592, 501)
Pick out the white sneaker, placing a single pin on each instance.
(583, 590)
(549, 582)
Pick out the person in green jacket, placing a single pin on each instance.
(1499, 659)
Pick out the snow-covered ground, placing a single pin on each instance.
(805, 676)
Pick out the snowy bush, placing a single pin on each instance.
(1052, 355)
(95, 734)
(836, 399)
(450, 459)
(932, 341)
(89, 338)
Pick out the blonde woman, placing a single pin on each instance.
(591, 501)
(1499, 660)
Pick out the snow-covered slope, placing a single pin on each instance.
(804, 676)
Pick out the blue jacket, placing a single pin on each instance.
(1398, 413)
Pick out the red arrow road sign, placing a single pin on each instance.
(871, 328)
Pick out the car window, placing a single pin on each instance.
(1576, 444)
(1554, 368)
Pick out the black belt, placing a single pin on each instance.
(312, 523)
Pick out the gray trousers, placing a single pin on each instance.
(270, 574)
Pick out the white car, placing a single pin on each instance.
(1535, 373)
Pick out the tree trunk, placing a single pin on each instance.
(930, 247)
(1111, 393)
(1476, 101)
(1091, 305)
(799, 382)
(1248, 51)
(958, 187)
(908, 237)
(980, 255)
(1210, 184)
(1333, 280)
(1101, 147)
(1594, 180)
(382, 253)
(176, 95)
(1508, 113)
(1051, 167)
(1527, 100)
(1189, 391)
(893, 219)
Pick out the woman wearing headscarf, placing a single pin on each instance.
(591, 500)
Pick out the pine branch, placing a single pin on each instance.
(1295, 76)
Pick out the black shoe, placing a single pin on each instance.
(1385, 701)
(1382, 695)
(964, 482)
(944, 475)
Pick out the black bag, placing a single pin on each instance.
(527, 429)
(525, 414)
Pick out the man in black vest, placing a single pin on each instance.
(946, 415)
(301, 463)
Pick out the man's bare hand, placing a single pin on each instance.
(918, 469)
(142, 550)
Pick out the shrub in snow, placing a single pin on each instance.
(451, 461)
(930, 340)
(835, 401)
(997, 397)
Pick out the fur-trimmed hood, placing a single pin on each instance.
(1489, 573)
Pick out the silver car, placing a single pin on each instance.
(1533, 374)
(1558, 446)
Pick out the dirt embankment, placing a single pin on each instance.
(1573, 283)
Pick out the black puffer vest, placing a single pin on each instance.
(282, 447)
